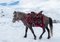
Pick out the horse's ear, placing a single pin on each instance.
(14, 12)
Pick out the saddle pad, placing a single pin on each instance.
(34, 21)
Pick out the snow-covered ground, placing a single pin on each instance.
(14, 32)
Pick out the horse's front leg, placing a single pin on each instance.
(33, 32)
(26, 32)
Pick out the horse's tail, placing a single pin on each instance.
(51, 25)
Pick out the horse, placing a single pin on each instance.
(24, 16)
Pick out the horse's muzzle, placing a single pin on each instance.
(13, 21)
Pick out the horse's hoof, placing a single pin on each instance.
(48, 37)
(25, 36)
(35, 38)
(40, 37)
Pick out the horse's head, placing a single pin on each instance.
(17, 16)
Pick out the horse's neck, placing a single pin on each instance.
(23, 16)
(24, 19)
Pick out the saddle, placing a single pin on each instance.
(35, 19)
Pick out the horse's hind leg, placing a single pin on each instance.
(48, 32)
(42, 33)
(26, 32)
(33, 32)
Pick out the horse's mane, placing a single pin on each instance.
(21, 12)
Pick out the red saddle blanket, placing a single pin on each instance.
(30, 20)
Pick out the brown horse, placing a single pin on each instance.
(24, 18)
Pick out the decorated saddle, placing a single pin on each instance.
(35, 20)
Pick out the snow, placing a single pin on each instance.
(14, 32)
(1, 1)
